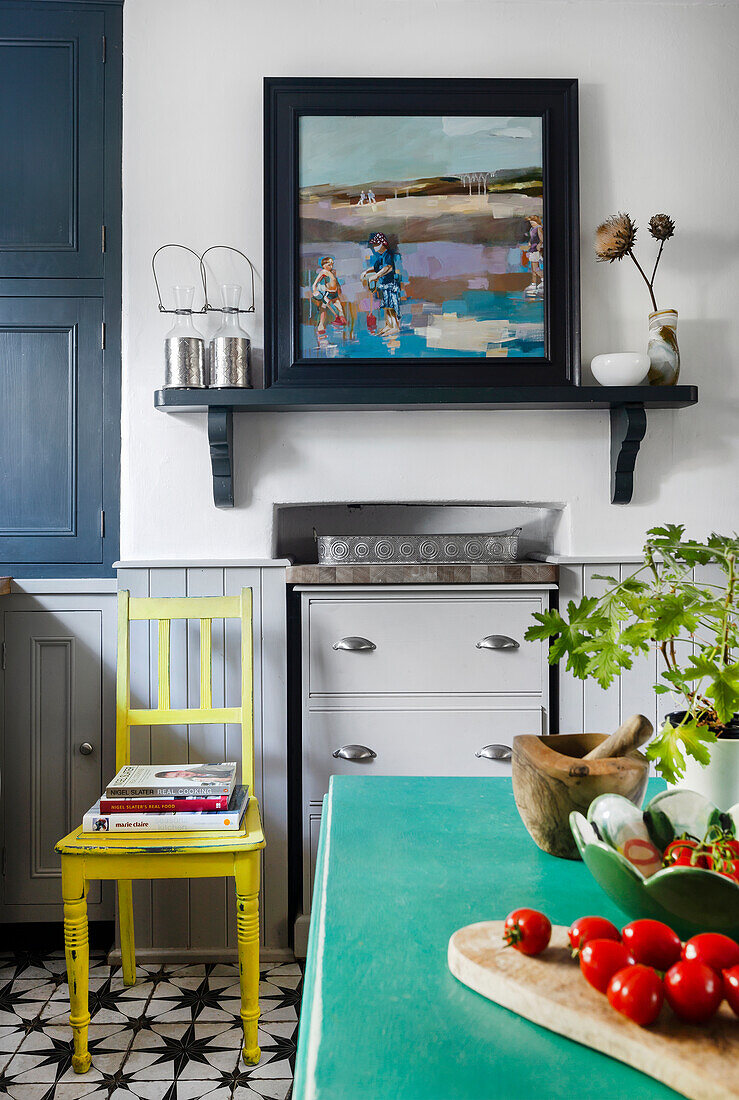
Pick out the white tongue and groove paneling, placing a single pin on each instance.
(584, 705)
(197, 917)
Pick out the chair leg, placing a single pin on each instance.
(247, 929)
(125, 924)
(74, 890)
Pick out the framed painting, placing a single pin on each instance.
(421, 233)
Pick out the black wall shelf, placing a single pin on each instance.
(627, 405)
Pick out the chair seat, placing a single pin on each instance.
(249, 838)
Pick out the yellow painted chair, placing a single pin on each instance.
(88, 857)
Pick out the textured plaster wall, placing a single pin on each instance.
(658, 93)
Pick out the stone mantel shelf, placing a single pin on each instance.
(524, 572)
(627, 406)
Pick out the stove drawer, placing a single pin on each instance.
(419, 742)
(422, 646)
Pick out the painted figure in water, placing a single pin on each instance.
(536, 257)
(327, 293)
(421, 237)
(383, 279)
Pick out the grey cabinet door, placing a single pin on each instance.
(52, 706)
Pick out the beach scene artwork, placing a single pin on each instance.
(421, 236)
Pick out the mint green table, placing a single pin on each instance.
(402, 863)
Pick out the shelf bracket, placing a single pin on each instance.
(628, 428)
(220, 438)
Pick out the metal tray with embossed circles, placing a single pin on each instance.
(448, 549)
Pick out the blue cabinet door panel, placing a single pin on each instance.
(51, 144)
(51, 429)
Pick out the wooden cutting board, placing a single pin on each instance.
(698, 1061)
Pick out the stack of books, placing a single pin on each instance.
(171, 798)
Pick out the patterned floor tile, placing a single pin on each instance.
(175, 1035)
(274, 1090)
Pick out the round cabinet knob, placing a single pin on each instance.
(86, 748)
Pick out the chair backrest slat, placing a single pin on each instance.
(184, 607)
(247, 690)
(206, 669)
(163, 695)
(163, 610)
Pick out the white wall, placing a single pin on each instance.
(659, 86)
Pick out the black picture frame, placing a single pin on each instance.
(286, 99)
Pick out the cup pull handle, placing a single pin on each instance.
(494, 752)
(354, 753)
(497, 641)
(354, 644)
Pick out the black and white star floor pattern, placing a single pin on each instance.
(175, 1035)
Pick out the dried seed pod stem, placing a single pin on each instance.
(616, 237)
(646, 280)
(656, 262)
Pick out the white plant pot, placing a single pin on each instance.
(719, 779)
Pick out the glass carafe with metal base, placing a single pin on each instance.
(230, 347)
(184, 347)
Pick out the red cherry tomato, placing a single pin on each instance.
(600, 959)
(591, 928)
(636, 992)
(713, 949)
(528, 930)
(725, 857)
(686, 852)
(693, 990)
(731, 988)
(653, 943)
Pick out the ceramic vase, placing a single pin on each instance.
(662, 349)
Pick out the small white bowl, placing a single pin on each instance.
(620, 368)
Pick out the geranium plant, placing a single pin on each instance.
(664, 603)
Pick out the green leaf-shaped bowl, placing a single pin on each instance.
(622, 848)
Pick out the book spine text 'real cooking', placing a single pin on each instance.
(161, 805)
(170, 792)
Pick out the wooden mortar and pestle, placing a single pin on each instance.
(557, 774)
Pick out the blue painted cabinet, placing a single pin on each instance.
(60, 68)
(51, 136)
(51, 424)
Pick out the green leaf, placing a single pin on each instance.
(673, 532)
(551, 623)
(666, 749)
(607, 661)
(702, 667)
(637, 636)
(724, 690)
(672, 617)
